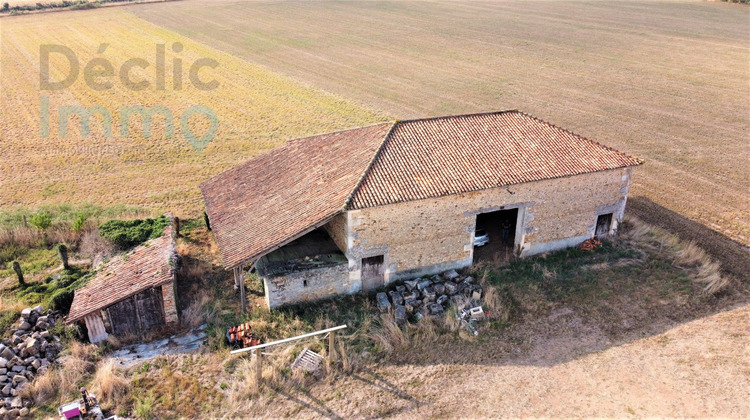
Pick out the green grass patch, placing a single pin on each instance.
(7, 318)
(129, 233)
(33, 261)
(55, 293)
(66, 214)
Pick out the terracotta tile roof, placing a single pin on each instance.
(274, 198)
(450, 155)
(145, 266)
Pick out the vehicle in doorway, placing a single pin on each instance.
(481, 238)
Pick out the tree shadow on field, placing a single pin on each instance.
(314, 404)
(734, 257)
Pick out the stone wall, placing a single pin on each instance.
(336, 229)
(434, 235)
(309, 285)
(170, 305)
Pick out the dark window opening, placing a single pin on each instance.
(603, 225)
(304, 283)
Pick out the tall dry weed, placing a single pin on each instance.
(95, 247)
(110, 385)
(387, 335)
(686, 255)
(44, 388)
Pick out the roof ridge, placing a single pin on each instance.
(284, 145)
(473, 114)
(370, 165)
(334, 132)
(604, 146)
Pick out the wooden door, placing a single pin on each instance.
(372, 273)
(150, 308)
(137, 314)
(123, 318)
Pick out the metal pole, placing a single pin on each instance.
(332, 346)
(258, 367)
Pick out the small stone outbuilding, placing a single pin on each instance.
(132, 293)
(357, 209)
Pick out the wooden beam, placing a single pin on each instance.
(235, 272)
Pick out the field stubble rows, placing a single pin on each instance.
(256, 109)
(667, 82)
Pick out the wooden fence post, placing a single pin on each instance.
(258, 367)
(332, 346)
(242, 289)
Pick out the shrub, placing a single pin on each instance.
(129, 233)
(79, 222)
(62, 300)
(11, 252)
(41, 220)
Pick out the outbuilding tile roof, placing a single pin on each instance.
(271, 200)
(148, 265)
(282, 194)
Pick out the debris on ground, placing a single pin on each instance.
(87, 407)
(469, 317)
(181, 343)
(590, 244)
(432, 296)
(241, 336)
(308, 360)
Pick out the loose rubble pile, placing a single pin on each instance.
(430, 296)
(27, 353)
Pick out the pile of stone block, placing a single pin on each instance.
(28, 353)
(430, 296)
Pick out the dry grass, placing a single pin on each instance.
(95, 247)
(387, 335)
(110, 385)
(11, 303)
(199, 311)
(44, 388)
(700, 266)
(61, 383)
(28, 236)
(257, 110)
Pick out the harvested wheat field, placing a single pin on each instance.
(665, 81)
(256, 110)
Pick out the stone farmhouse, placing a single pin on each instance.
(357, 209)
